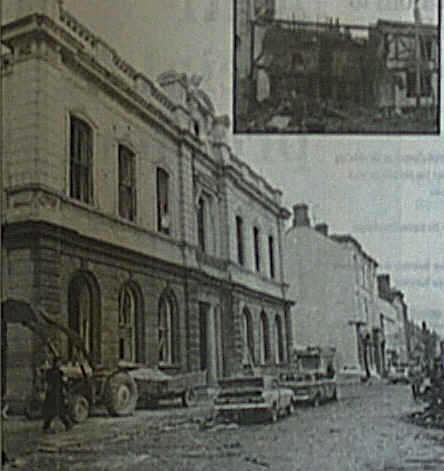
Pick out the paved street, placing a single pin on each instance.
(356, 433)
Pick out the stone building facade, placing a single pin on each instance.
(128, 217)
(333, 282)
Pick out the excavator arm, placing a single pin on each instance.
(38, 321)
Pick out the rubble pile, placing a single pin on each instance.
(432, 415)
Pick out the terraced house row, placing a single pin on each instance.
(127, 216)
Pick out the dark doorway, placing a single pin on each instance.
(203, 330)
(3, 356)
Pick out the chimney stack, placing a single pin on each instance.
(383, 284)
(300, 215)
(322, 228)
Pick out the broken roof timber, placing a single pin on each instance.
(303, 23)
(394, 26)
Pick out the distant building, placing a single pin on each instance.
(308, 70)
(424, 344)
(365, 292)
(128, 217)
(394, 322)
(333, 282)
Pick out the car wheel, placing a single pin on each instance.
(189, 398)
(33, 409)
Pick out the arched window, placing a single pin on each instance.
(127, 324)
(280, 345)
(81, 158)
(84, 316)
(167, 323)
(248, 338)
(265, 339)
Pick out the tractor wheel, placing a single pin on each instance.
(189, 398)
(33, 409)
(121, 394)
(78, 408)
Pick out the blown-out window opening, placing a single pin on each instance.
(240, 240)
(163, 209)
(127, 184)
(81, 155)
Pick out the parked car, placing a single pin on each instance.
(399, 373)
(251, 398)
(312, 388)
(351, 374)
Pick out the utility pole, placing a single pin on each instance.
(417, 16)
(3, 255)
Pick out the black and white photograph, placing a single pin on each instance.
(347, 66)
(222, 235)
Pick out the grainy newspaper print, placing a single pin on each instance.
(222, 235)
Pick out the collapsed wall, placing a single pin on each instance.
(302, 68)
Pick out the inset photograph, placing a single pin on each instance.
(342, 66)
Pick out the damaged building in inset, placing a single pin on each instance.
(403, 64)
(316, 76)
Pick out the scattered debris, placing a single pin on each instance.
(256, 461)
(229, 426)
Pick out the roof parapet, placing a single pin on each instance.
(179, 97)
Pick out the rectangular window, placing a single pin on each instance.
(80, 187)
(426, 84)
(127, 187)
(271, 255)
(428, 46)
(257, 254)
(163, 216)
(240, 240)
(201, 224)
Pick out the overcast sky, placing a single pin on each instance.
(356, 11)
(385, 191)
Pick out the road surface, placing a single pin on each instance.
(360, 433)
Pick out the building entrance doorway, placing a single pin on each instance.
(208, 342)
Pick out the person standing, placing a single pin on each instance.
(415, 378)
(54, 403)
